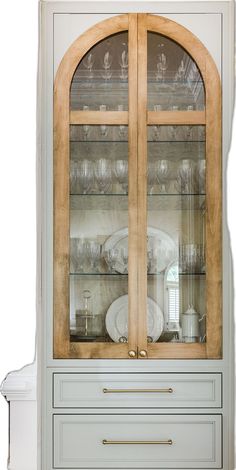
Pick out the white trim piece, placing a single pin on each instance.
(20, 385)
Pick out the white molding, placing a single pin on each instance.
(21, 384)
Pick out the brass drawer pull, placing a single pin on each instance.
(138, 390)
(169, 442)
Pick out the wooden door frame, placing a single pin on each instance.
(211, 117)
(62, 347)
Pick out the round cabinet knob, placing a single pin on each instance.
(132, 353)
(143, 353)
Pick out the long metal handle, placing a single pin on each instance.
(138, 390)
(168, 442)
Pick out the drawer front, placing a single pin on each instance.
(125, 441)
(137, 390)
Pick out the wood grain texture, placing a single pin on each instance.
(177, 351)
(61, 339)
(176, 117)
(213, 211)
(99, 117)
(142, 182)
(133, 174)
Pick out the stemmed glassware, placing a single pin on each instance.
(85, 175)
(106, 65)
(80, 254)
(103, 127)
(121, 172)
(161, 67)
(157, 129)
(88, 63)
(151, 176)
(103, 174)
(200, 175)
(122, 128)
(111, 257)
(124, 62)
(73, 176)
(163, 173)
(185, 180)
(85, 127)
(93, 251)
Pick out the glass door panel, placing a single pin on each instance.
(100, 81)
(174, 80)
(99, 233)
(176, 234)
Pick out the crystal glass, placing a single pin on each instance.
(111, 257)
(81, 252)
(186, 175)
(121, 173)
(85, 175)
(163, 173)
(124, 62)
(103, 174)
(152, 176)
(106, 65)
(88, 63)
(93, 250)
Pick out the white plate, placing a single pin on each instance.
(166, 248)
(117, 319)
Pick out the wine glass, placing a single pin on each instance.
(103, 174)
(200, 175)
(81, 254)
(106, 65)
(124, 62)
(121, 173)
(122, 128)
(93, 250)
(103, 127)
(186, 175)
(85, 175)
(157, 128)
(73, 176)
(124, 257)
(88, 62)
(163, 173)
(151, 176)
(85, 127)
(111, 257)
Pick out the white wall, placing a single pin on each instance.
(18, 53)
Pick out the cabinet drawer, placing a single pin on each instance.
(137, 390)
(111, 441)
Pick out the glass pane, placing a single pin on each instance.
(176, 233)
(174, 80)
(99, 233)
(100, 81)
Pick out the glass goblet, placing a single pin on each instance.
(186, 175)
(88, 63)
(93, 254)
(103, 174)
(163, 174)
(151, 176)
(120, 168)
(81, 254)
(85, 175)
(106, 65)
(111, 257)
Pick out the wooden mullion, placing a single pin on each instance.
(142, 182)
(192, 118)
(132, 192)
(99, 117)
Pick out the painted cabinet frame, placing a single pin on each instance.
(137, 119)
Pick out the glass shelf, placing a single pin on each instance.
(126, 274)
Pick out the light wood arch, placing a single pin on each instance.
(138, 117)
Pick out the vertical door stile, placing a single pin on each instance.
(213, 212)
(132, 193)
(142, 182)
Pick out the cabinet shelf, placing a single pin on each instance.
(117, 275)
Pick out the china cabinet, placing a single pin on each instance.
(135, 342)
